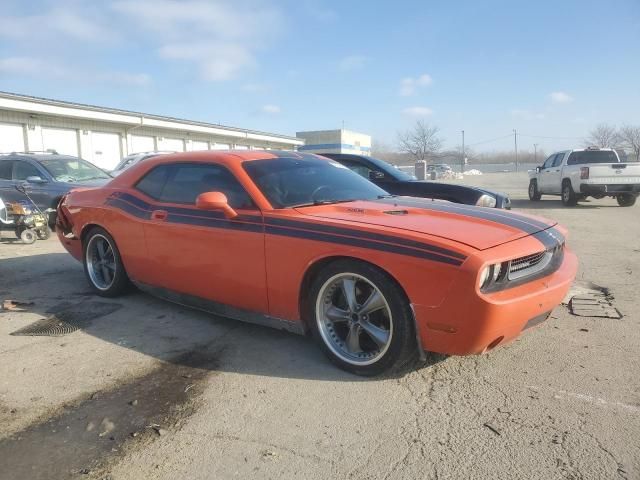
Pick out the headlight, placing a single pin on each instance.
(486, 201)
(492, 274)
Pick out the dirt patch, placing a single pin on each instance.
(82, 439)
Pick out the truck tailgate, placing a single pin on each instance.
(613, 173)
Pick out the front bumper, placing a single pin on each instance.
(467, 323)
(609, 189)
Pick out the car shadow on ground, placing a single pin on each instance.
(56, 285)
(553, 204)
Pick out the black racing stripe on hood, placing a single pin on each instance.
(550, 238)
(514, 220)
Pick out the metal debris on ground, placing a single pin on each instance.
(492, 428)
(593, 305)
(15, 306)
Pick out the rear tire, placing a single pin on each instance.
(44, 232)
(626, 199)
(534, 193)
(359, 334)
(103, 265)
(569, 198)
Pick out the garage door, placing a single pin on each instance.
(62, 140)
(171, 144)
(197, 145)
(242, 147)
(11, 138)
(220, 146)
(105, 150)
(141, 143)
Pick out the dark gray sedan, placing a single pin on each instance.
(46, 176)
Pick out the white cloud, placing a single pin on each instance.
(353, 62)
(220, 37)
(32, 66)
(270, 109)
(560, 97)
(417, 111)
(409, 85)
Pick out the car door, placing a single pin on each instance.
(7, 193)
(200, 252)
(38, 191)
(544, 178)
(554, 177)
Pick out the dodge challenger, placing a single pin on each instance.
(301, 243)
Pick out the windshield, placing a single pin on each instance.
(72, 169)
(592, 156)
(391, 170)
(293, 182)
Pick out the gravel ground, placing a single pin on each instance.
(563, 401)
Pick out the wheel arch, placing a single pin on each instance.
(317, 266)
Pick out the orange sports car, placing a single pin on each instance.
(299, 242)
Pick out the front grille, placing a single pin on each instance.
(531, 264)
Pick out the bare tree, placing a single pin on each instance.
(603, 136)
(421, 141)
(630, 140)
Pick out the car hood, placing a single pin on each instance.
(455, 186)
(477, 227)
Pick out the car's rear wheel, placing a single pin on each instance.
(534, 193)
(569, 198)
(361, 318)
(626, 199)
(103, 265)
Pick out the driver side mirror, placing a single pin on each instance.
(538, 169)
(216, 201)
(35, 179)
(375, 175)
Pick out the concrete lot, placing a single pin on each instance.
(151, 390)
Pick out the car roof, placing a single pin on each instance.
(33, 156)
(230, 156)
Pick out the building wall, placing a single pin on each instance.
(335, 141)
(104, 143)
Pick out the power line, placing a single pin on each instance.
(552, 138)
(490, 140)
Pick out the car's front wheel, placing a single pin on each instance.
(103, 264)
(361, 318)
(534, 193)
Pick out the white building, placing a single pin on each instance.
(104, 135)
(335, 141)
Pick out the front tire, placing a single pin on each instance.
(569, 198)
(103, 265)
(361, 318)
(534, 193)
(28, 236)
(626, 199)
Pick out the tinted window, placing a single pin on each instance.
(72, 169)
(290, 182)
(558, 159)
(5, 169)
(548, 162)
(153, 182)
(22, 170)
(182, 183)
(357, 167)
(592, 156)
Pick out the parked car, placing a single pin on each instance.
(46, 177)
(398, 182)
(134, 158)
(440, 169)
(301, 243)
(580, 173)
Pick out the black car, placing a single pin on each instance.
(397, 182)
(46, 177)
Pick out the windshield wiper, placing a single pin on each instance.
(386, 196)
(321, 202)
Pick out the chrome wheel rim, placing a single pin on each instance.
(354, 319)
(101, 262)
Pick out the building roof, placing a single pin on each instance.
(46, 106)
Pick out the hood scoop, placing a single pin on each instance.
(396, 212)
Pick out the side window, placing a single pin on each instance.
(183, 182)
(22, 170)
(5, 169)
(549, 161)
(360, 169)
(153, 182)
(558, 161)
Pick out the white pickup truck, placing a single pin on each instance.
(578, 174)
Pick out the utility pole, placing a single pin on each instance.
(515, 142)
(462, 159)
(535, 153)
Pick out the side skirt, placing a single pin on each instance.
(221, 309)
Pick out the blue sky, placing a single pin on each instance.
(548, 68)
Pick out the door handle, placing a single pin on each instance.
(159, 215)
